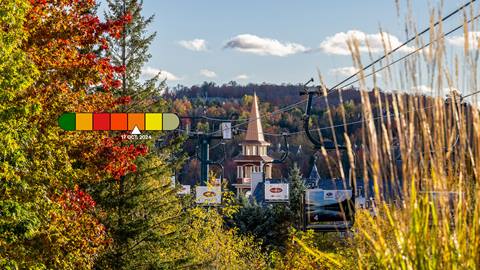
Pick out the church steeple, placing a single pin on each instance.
(314, 178)
(255, 130)
(254, 155)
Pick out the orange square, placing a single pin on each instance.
(118, 121)
(136, 119)
(84, 121)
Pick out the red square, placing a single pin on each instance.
(101, 121)
(119, 121)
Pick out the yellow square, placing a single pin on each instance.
(153, 121)
(84, 121)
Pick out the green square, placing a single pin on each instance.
(67, 121)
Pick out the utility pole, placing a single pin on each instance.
(205, 162)
(204, 141)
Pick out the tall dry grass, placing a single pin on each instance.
(425, 149)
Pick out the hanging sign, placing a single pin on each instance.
(208, 195)
(328, 206)
(276, 192)
(226, 128)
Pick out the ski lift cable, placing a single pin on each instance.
(469, 95)
(339, 85)
(394, 62)
(294, 105)
(220, 119)
(414, 52)
(344, 124)
(402, 45)
(359, 121)
(348, 123)
(290, 107)
(278, 111)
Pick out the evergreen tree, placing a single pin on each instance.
(145, 216)
(297, 190)
(271, 224)
(131, 51)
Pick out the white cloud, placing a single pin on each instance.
(242, 77)
(149, 72)
(208, 73)
(264, 46)
(421, 89)
(427, 90)
(338, 43)
(196, 45)
(344, 71)
(459, 41)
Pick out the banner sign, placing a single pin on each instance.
(276, 192)
(226, 128)
(337, 195)
(185, 190)
(328, 206)
(208, 195)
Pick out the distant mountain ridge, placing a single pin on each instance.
(277, 95)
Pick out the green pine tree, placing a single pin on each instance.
(144, 216)
(297, 190)
(131, 51)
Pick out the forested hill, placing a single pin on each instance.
(277, 95)
(227, 100)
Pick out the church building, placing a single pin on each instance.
(254, 152)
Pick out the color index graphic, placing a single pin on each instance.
(118, 121)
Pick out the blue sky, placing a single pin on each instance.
(273, 41)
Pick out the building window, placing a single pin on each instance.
(248, 172)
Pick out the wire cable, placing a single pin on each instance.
(289, 107)
(413, 52)
(292, 106)
(403, 44)
(282, 110)
(363, 120)
(469, 95)
(220, 119)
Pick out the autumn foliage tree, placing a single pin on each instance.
(53, 61)
(144, 212)
(19, 221)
